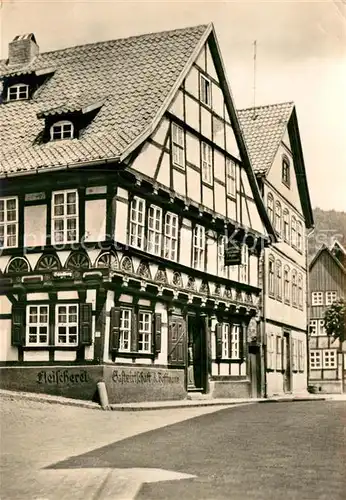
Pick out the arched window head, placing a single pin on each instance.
(61, 130)
(18, 92)
(286, 177)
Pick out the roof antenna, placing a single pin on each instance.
(254, 78)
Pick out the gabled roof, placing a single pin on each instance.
(264, 128)
(135, 74)
(324, 248)
(339, 252)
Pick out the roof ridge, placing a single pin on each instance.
(132, 37)
(267, 105)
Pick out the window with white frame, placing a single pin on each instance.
(271, 275)
(244, 266)
(154, 230)
(278, 217)
(278, 279)
(295, 354)
(64, 216)
(278, 352)
(18, 92)
(294, 287)
(300, 290)
(329, 358)
(137, 222)
(205, 90)
(286, 218)
(198, 260)
(330, 298)
(66, 329)
(144, 331)
(8, 222)
(171, 236)
(270, 207)
(270, 351)
(321, 330)
(287, 284)
(37, 325)
(61, 130)
(301, 364)
(315, 359)
(221, 268)
(293, 231)
(300, 236)
(125, 330)
(317, 327)
(235, 342)
(178, 146)
(231, 177)
(207, 163)
(317, 298)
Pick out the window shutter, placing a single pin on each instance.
(241, 341)
(218, 333)
(114, 329)
(18, 325)
(85, 324)
(134, 332)
(157, 332)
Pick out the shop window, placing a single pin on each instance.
(8, 222)
(64, 216)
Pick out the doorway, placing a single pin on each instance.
(197, 359)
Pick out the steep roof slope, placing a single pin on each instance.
(132, 77)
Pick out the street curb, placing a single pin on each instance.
(46, 398)
(116, 407)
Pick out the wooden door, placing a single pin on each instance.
(177, 341)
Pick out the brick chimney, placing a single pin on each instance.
(22, 49)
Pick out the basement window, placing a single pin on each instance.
(61, 130)
(18, 92)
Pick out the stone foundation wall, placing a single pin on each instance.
(230, 388)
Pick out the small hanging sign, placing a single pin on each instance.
(233, 254)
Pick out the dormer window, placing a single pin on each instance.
(18, 92)
(61, 130)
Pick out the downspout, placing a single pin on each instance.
(307, 300)
(264, 321)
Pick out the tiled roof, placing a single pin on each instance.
(132, 77)
(263, 128)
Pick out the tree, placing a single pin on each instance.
(335, 320)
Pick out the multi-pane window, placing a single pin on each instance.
(329, 358)
(64, 216)
(278, 352)
(144, 331)
(207, 163)
(293, 231)
(18, 92)
(137, 221)
(235, 342)
(300, 236)
(66, 324)
(171, 236)
(178, 147)
(221, 268)
(317, 298)
(279, 279)
(278, 217)
(37, 325)
(300, 290)
(286, 224)
(315, 359)
(286, 171)
(198, 260)
(294, 287)
(313, 327)
(61, 130)
(271, 275)
(8, 222)
(330, 298)
(244, 267)
(231, 177)
(270, 207)
(125, 330)
(301, 365)
(154, 230)
(287, 284)
(205, 90)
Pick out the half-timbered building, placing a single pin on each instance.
(272, 136)
(124, 174)
(327, 283)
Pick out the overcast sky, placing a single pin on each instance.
(301, 56)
